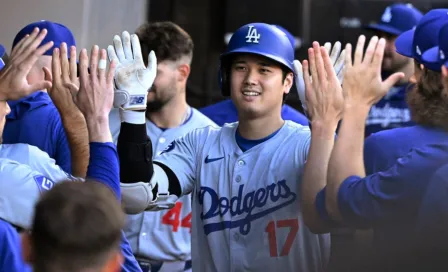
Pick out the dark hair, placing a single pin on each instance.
(168, 41)
(76, 226)
(428, 101)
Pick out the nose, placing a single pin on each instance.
(251, 77)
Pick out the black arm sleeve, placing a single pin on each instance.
(135, 153)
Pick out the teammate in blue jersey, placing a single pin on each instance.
(34, 119)
(392, 110)
(387, 201)
(426, 99)
(225, 111)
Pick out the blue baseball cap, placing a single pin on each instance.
(57, 33)
(414, 42)
(438, 54)
(397, 19)
(291, 38)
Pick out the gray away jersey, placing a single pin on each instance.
(246, 205)
(25, 173)
(162, 235)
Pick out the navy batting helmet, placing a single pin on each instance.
(260, 39)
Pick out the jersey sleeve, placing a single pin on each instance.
(41, 162)
(390, 195)
(180, 156)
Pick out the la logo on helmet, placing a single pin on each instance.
(252, 35)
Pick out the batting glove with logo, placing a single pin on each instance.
(132, 79)
(337, 58)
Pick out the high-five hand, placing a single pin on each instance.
(337, 62)
(132, 79)
(363, 85)
(323, 89)
(13, 82)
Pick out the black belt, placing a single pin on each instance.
(151, 266)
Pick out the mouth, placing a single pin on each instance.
(251, 93)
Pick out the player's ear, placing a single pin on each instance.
(184, 72)
(287, 82)
(27, 252)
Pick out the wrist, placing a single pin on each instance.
(98, 129)
(358, 111)
(324, 129)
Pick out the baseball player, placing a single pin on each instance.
(244, 177)
(32, 167)
(387, 201)
(162, 239)
(392, 110)
(37, 112)
(425, 100)
(226, 112)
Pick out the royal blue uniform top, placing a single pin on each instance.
(35, 120)
(391, 111)
(382, 149)
(388, 201)
(226, 112)
(10, 250)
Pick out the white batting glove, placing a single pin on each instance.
(337, 58)
(132, 79)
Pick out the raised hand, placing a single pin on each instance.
(13, 82)
(65, 79)
(96, 90)
(337, 62)
(363, 85)
(132, 79)
(323, 90)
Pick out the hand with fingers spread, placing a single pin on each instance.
(96, 90)
(65, 80)
(363, 85)
(324, 97)
(13, 82)
(132, 79)
(337, 61)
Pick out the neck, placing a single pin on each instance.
(259, 128)
(408, 71)
(172, 114)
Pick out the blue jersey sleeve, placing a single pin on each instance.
(104, 166)
(373, 155)
(391, 195)
(10, 251)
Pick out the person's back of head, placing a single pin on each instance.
(168, 41)
(76, 227)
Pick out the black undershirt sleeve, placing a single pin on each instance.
(135, 153)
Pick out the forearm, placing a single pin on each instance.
(135, 153)
(347, 158)
(315, 173)
(78, 139)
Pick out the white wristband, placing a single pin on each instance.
(132, 117)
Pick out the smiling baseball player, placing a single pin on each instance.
(244, 177)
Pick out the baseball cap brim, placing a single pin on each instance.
(403, 43)
(244, 50)
(431, 55)
(384, 28)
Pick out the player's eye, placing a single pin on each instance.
(240, 68)
(264, 70)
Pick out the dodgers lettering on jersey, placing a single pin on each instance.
(246, 205)
(390, 112)
(163, 235)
